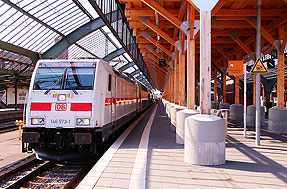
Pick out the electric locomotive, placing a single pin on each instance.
(75, 106)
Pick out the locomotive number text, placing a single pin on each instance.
(60, 121)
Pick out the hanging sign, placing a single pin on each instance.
(235, 67)
(258, 67)
(162, 62)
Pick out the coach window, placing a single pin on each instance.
(110, 83)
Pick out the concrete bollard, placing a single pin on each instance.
(224, 106)
(277, 121)
(236, 114)
(168, 106)
(173, 112)
(213, 105)
(180, 123)
(204, 141)
(164, 102)
(251, 116)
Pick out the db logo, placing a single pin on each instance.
(61, 107)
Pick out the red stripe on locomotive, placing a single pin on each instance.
(81, 107)
(41, 106)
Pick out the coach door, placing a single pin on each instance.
(112, 80)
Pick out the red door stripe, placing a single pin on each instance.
(41, 106)
(108, 101)
(81, 107)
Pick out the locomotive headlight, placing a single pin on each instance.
(37, 121)
(61, 97)
(83, 121)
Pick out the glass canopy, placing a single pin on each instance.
(37, 26)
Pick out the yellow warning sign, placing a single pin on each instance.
(258, 67)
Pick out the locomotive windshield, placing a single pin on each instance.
(73, 77)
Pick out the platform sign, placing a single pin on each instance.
(258, 67)
(162, 62)
(235, 67)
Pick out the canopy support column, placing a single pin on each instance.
(280, 70)
(182, 72)
(205, 62)
(191, 87)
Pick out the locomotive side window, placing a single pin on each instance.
(110, 83)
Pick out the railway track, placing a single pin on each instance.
(45, 174)
(8, 125)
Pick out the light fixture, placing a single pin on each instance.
(61, 97)
(37, 121)
(83, 121)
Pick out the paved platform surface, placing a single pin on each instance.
(10, 148)
(151, 159)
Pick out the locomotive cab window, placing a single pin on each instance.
(110, 83)
(64, 77)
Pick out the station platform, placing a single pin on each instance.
(146, 156)
(10, 148)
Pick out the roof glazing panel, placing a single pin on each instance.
(60, 14)
(75, 52)
(130, 70)
(97, 43)
(112, 37)
(16, 62)
(38, 24)
(118, 62)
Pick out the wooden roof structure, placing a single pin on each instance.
(156, 25)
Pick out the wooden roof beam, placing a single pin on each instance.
(151, 56)
(244, 18)
(234, 36)
(282, 20)
(270, 28)
(229, 24)
(181, 13)
(217, 33)
(153, 51)
(155, 62)
(253, 22)
(142, 41)
(250, 12)
(139, 25)
(163, 12)
(284, 40)
(158, 72)
(150, 69)
(135, 12)
(219, 41)
(169, 32)
(146, 22)
(220, 49)
(147, 35)
(218, 6)
(149, 60)
(138, 1)
(157, 68)
(216, 65)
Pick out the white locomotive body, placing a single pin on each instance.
(76, 105)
